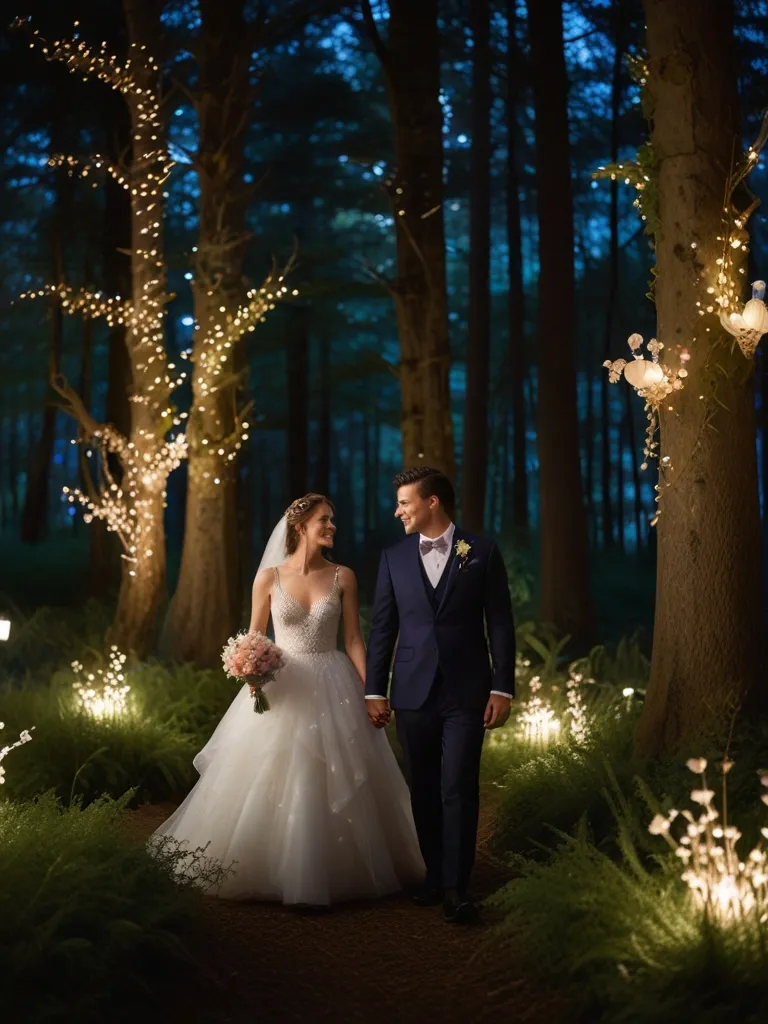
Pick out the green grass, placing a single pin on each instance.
(92, 928)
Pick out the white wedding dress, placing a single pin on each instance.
(306, 799)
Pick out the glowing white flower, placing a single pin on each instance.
(703, 796)
(659, 825)
(696, 764)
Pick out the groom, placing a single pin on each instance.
(442, 597)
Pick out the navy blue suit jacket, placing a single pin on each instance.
(451, 637)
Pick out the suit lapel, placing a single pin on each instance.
(453, 571)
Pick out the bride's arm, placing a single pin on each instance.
(353, 637)
(260, 606)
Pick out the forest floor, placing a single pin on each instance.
(383, 960)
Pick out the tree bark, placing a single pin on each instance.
(565, 597)
(516, 310)
(411, 62)
(708, 623)
(143, 582)
(325, 419)
(612, 295)
(297, 367)
(105, 561)
(636, 482)
(474, 465)
(205, 608)
(13, 463)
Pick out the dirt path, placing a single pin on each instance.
(382, 960)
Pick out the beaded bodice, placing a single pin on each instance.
(298, 631)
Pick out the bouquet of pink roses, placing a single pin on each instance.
(253, 659)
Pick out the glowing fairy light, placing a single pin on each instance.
(5, 628)
(721, 883)
(538, 720)
(24, 737)
(653, 381)
(748, 326)
(103, 693)
(720, 286)
(132, 507)
(576, 708)
(215, 341)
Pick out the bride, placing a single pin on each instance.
(307, 799)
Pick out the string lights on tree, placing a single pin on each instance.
(133, 505)
(657, 381)
(213, 374)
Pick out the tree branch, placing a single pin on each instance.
(374, 35)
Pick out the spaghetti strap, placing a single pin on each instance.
(276, 571)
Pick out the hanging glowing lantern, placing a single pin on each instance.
(643, 373)
(755, 313)
(5, 628)
(751, 324)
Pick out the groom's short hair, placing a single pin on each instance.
(431, 482)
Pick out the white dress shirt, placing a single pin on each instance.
(434, 563)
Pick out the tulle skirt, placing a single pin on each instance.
(306, 801)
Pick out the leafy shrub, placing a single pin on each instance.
(171, 713)
(92, 928)
(626, 939)
(557, 788)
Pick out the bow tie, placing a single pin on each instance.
(440, 545)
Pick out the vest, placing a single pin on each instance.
(435, 594)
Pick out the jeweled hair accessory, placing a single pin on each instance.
(297, 509)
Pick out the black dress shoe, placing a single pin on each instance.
(459, 908)
(428, 894)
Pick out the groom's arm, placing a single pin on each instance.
(500, 624)
(385, 625)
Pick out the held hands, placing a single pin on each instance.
(496, 711)
(379, 713)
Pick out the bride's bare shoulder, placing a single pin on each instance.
(347, 577)
(263, 580)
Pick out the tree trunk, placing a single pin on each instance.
(325, 420)
(589, 441)
(297, 367)
(620, 513)
(34, 517)
(88, 465)
(411, 62)
(613, 293)
(13, 463)
(205, 608)
(3, 463)
(516, 312)
(708, 623)
(636, 483)
(474, 464)
(565, 598)
(105, 562)
(143, 583)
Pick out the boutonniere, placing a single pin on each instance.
(462, 550)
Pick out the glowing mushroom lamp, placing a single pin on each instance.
(643, 373)
(5, 628)
(751, 324)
